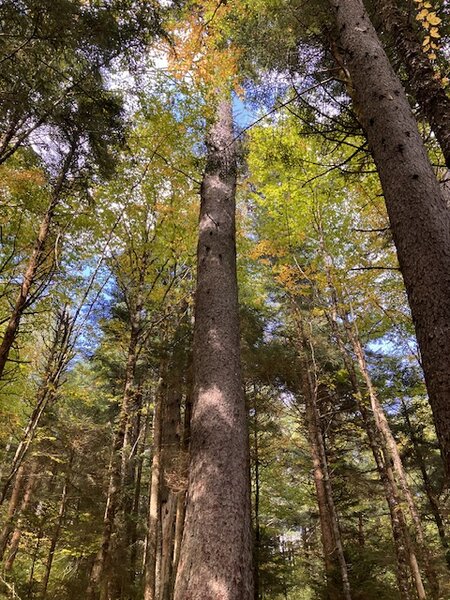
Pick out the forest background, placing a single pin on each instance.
(111, 115)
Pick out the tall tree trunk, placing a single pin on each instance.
(216, 556)
(181, 502)
(24, 485)
(57, 530)
(257, 485)
(381, 441)
(110, 564)
(35, 261)
(170, 451)
(46, 393)
(391, 450)
(383, 464)
(338, 584)
(420, 221)
(428, 485)
(140, 448)
(15, 539)
(154, 504)
(426, 87)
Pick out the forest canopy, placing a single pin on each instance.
(224, 300)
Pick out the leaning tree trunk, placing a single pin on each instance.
(428, 485)
(426, 87)
(216, 555)
(34, 262)
(420, 221)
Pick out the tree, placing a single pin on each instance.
(415, 203)
(215, 556)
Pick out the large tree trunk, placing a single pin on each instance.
(426, 87)
(34, 262)
(420, 221)
(216, 557)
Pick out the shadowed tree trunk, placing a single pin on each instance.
(216, 556)
(420, 221)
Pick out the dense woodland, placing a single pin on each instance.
(224, 300)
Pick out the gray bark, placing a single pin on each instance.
(216, 557)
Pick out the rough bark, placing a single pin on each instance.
(426, 87)
(216, 557)
(420, 221)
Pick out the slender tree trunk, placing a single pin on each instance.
(426, 87)
(30, 485)
(154, 505)
(23, 298)
(170, 451)
(420, 221)
(338, 584)
(216, 556)
(383, 463)
(57, 531)
(46, 393)
(257, 526)
(141, 446)
(108, 571)
(181, 502)
(8, 526)
(394, 457)
(428, 486)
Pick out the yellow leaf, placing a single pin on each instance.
(422, 15)
(433, 19)
(434, 33)
(432, 56)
